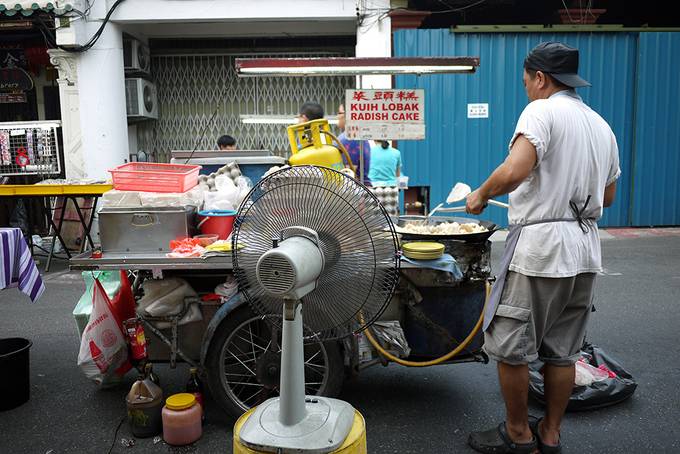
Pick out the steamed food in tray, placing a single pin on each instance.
(444, 228)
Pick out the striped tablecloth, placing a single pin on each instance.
(17, 268)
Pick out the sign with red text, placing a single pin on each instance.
(397, 114)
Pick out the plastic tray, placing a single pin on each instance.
(155, 177)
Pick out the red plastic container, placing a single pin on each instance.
(219, 222)
(155, 177)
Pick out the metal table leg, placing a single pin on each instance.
(86, 225)
(93, 212)
(57, 232)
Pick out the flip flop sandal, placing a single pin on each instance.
(544, 449)
(497, 441)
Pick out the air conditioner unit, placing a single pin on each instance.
(136, 56)
(141, 101)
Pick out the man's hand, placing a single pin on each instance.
(475, 203)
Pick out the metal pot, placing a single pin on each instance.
(434, 220)
(472, 251)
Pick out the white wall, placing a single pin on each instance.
(221, 10)
(374, 39)
(106, 139)
(101, 84)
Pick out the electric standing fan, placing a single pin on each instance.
(310, 241)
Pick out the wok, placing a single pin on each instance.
(434, 220)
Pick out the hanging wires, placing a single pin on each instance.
(90, 43)
(378, 14)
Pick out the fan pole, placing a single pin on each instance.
(292, 409)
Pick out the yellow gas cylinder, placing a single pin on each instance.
(355, 443)
(308, 148)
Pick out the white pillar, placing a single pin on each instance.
(69, 103)
(101, 84)
(374, 39)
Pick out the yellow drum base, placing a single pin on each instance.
(355, 443)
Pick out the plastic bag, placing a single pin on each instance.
(121, 199)
(220, 200)
(586, 374)
(391, 335)
(244, 185)
(185, 247)
(103, 355)
(224, 182)
(192, 197)
(123, 304)
(228, 288)
(110, 280)
(617, 387)
(166, 297)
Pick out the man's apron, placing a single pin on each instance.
(514, 232)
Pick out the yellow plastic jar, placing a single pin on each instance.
(181, 419)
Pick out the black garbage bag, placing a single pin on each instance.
(598, 394)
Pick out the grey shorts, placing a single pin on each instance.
(540, 317)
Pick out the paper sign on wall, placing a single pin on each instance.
(385, 114)
(480, 110)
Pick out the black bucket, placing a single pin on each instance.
(15, 383)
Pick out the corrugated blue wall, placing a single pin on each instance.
(656, 181)
(462, 149)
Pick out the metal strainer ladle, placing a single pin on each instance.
(461, 190)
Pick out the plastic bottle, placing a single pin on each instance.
(181, 420)
(144, 404)
(148, 373)
(195, 387)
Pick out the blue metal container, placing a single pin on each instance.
(656, 167)
(444, 318)
(458, 148)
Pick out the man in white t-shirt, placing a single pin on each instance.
(560, 173)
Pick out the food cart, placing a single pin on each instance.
(433, 318)
(438, 312)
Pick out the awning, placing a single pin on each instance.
(26, 8)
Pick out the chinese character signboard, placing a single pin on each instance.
(385, 114)
(479, 110)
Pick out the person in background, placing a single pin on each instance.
(385, 164)
(561, 173)
(353, 147)
(310, 111)
(226, 143)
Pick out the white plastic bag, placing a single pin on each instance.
(223, 182)
(192, 197)
(218, 201)
(392, 335)
(121, 199)
(244, 185)
(228, 288)
(587, 374)
(166, 297)
(103, 355)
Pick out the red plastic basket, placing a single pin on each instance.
(154, 177)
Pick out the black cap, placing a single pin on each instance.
(558, 60)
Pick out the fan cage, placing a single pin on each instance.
(357, 238)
